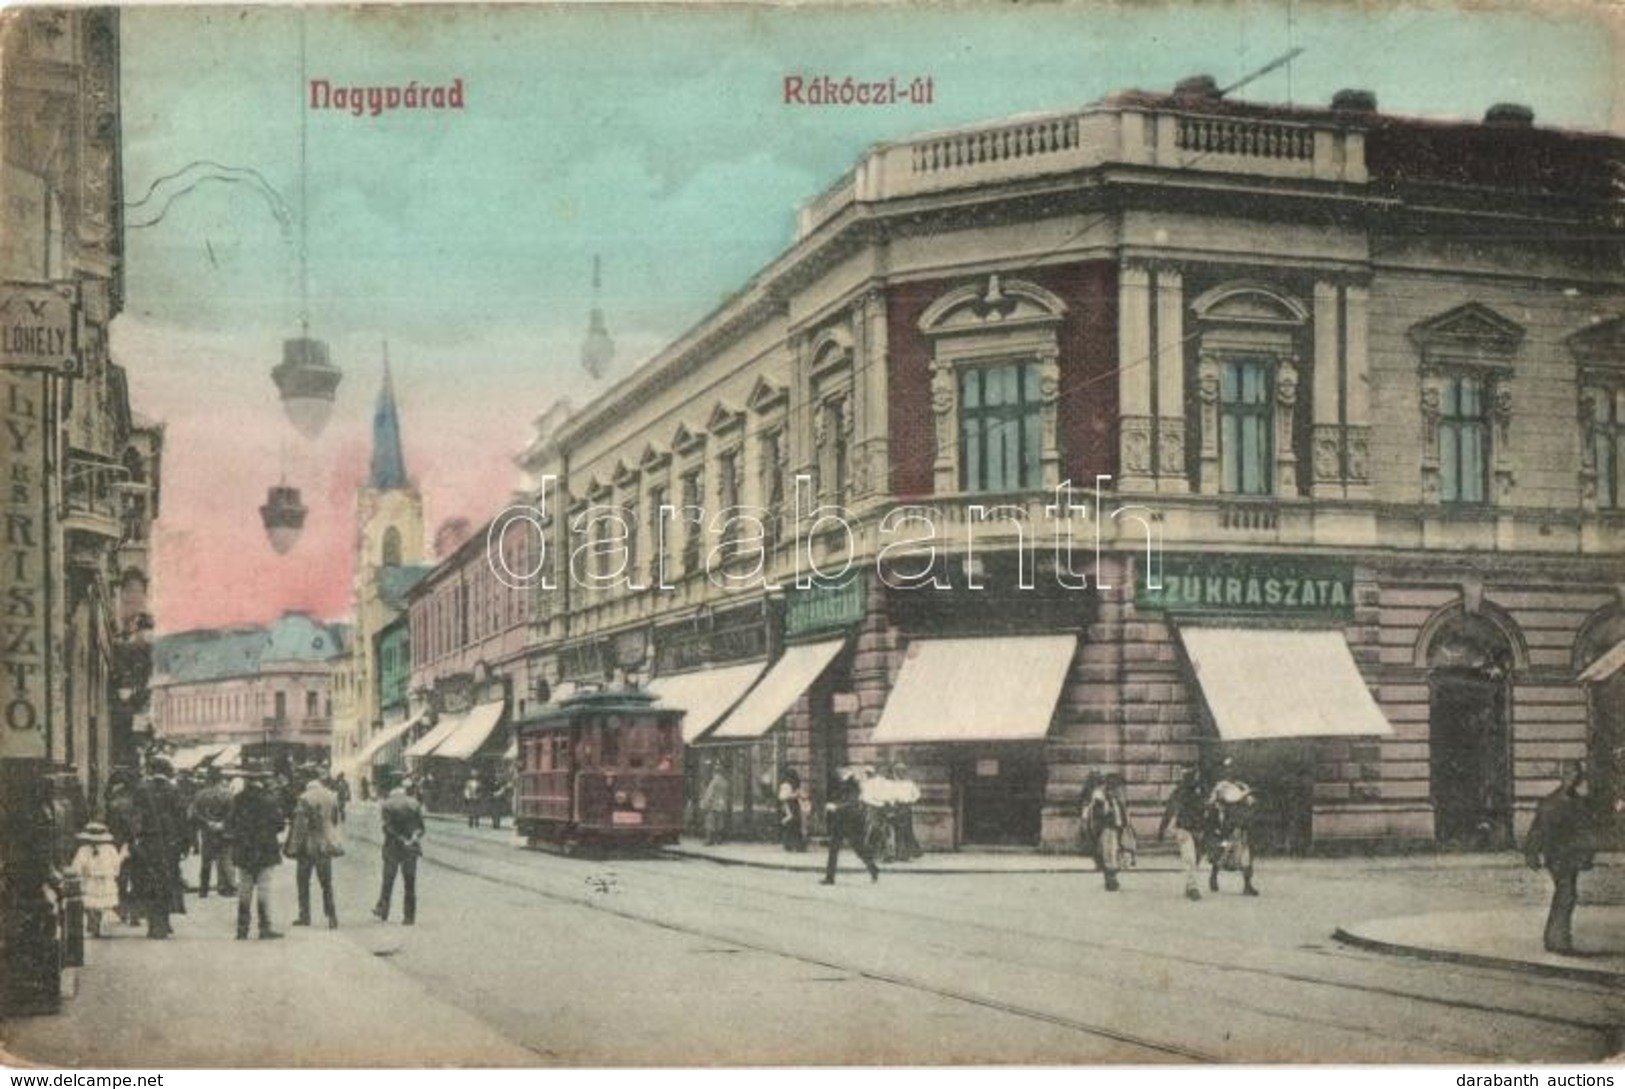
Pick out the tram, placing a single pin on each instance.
(601, 770)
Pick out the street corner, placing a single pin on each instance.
(1509, 939)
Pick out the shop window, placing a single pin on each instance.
(1246, 420)
(1000, 428)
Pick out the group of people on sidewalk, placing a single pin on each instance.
(130, 865)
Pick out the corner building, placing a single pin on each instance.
(1357, 380)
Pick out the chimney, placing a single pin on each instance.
(1511, 114)
(1355, 100)
(1203, 86)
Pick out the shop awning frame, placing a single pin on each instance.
(706, 694)
(477, 726)
(1610, 662)
(785, 681)
(383, 738)
(429, 742)
(991, 689)
(1264, 684)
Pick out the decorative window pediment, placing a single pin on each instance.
(724, 417)
(997, 304)
(685, 441)
(832, 348)
(1471, 335)
(765, 396)
(597, 491)
(1600, 346)
(1248, 303)
(625, 474)
(654, 458)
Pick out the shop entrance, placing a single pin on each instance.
(1470, 736)
(998, 796)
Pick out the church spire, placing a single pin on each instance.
(597, 351)
(388, 463)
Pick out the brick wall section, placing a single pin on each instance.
(1088, 395)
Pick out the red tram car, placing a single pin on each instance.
(601, 770)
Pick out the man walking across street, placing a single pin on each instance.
(1557, 841)
(313, 842)
(254, 825)
(403, 843)
(1185, 809)
(1105, 820)
(844, 815)
(210, 810)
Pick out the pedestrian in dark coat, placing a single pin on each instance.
(209, 812)
(1105, 820)
(1185, 810)
(403, 843)
(847, 825)
(1558, 840)
(155, 834)
(791, 835)
(313, 843)
(255, 828)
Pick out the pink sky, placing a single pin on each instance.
(226, 438)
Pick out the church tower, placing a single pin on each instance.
(390, 547)
(597, 350)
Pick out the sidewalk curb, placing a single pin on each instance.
(1477, 960)
(899, 868)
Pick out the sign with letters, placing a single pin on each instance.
(39, 328)
(824, 608)
(25, 679)
(1200, 582)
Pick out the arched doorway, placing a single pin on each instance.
(1605, 704)
(1469, 733)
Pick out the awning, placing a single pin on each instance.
(423, 746)
(379, 741)
(1000, 689)
(477, 726)
(561, 692)
(1273, 683)
(229, 756)
(790, 676)
(193, 755)
(1611, 662)
(706, 694)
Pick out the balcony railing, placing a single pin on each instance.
(1128, 133)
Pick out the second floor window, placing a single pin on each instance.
(772, 450)
(693, 516)
(661, 528)
(310, 704)
(1608, 447)
(1000, 428)
(1245, 419)
(728, 497)
(1464, 440)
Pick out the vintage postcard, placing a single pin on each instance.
(592, 535)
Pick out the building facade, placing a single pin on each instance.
(389, 558)
(81, 470)
(259, 688)
(1164, 430)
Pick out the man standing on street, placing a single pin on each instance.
(1186, 806)
(403, 843)
(254, 825)
(1106, 819)
(209, 812)
(313, 843)
(156, 832)
(1557, 840)
(714, 805)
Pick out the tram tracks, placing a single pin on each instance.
(1605, 1032)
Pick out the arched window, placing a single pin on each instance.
(392, 548)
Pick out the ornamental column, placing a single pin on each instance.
(1135, 366)
(1170, 381)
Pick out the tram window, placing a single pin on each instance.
(611, 742)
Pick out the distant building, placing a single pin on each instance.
(248, 686)
(390, 558)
